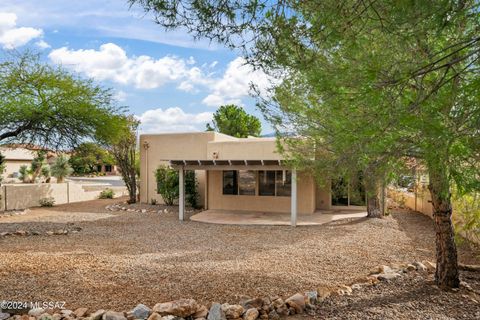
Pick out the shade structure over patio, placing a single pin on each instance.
(220, 165)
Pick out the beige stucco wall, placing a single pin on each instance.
(21, 196)
(244, 149)
(155, 149)
(12, 166)
(161, 147)
(323, 196)
(217, 200)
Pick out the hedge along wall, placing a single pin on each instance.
(21, 196)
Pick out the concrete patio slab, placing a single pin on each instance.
(238, 217)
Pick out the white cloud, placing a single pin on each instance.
(173, 120)
(235, 84)
(11, 36)
(43, 44)
(120, 95)
(111, 62)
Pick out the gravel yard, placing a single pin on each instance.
(119, 259)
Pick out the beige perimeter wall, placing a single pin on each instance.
(21, 196)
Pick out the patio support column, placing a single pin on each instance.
(293, 199)
(181, 191)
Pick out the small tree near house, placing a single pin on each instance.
(123, 147)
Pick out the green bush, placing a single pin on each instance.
(107, 194)
(167, 186)
(191, 189)
(47, 202)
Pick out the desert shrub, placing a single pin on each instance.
(107, 194)
(167, 184)
(466, 208)
(191, 189)
(47, 202)
(61, 168)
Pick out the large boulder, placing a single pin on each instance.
(297, 302)
(252, 303)
(388, 276)
(180, 308)
(201, 312)
(232, 311)
(216, 312)
(113, 315)
(251, 314)
(420, 266)
(155, 316)
(141, 311)
(36, 312)
(80, 312)
(97, 315)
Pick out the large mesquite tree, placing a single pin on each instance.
(48, 106)
(365, 82)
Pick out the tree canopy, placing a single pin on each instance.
(234, 121)
(87, 156)
(365, 83)
(51, 107)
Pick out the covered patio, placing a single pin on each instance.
(239, 217)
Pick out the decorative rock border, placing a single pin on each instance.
(125, 207)
(247, 309)
(24, 233)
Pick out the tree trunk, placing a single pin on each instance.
(446, 275)
(374, 208)
(132, 190)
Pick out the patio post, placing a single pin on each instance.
(293, 199)
(181, 191)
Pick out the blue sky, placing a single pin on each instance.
(170, 82)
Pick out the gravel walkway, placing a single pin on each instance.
(125, 258)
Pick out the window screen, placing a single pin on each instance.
(283, 181)
(266, 183)
(230, 185)
(247, 181)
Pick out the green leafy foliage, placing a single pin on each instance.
(234, 121)
(107, 194)
(87, 156)
(123, 147)
(61, 168)
(24, 173)
(48, 106)
(47, 202)
(167, 186)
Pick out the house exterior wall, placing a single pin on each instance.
(217, 200)
(323, 196)
(12, 166)
(172, 147)
(157, 149)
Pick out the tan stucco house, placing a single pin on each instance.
(245, 174)
(15, 157)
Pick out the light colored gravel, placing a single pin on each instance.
(119, 261)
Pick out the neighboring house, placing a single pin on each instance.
(108, 169)
(20, 155)
(15, 157)
(239, 174)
